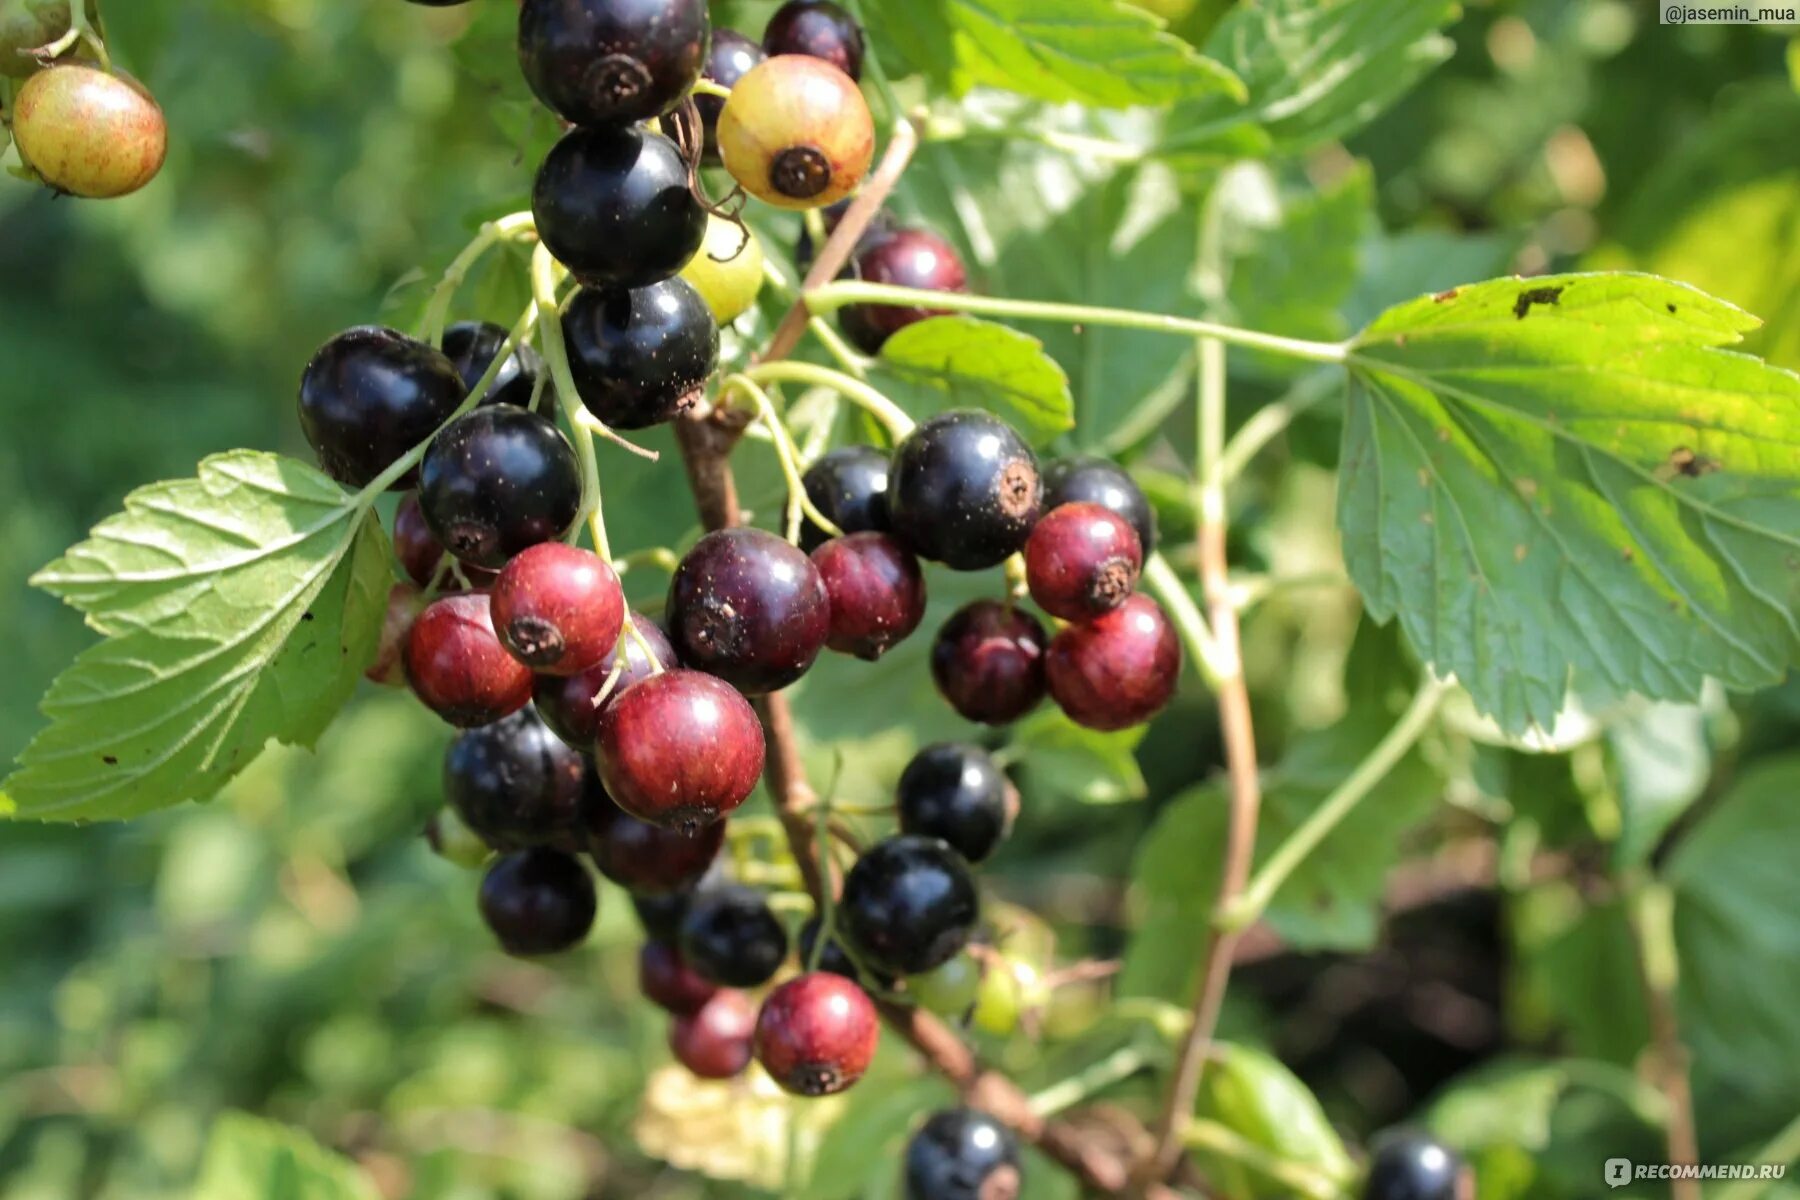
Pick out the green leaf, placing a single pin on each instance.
(1663, 761)
(1567, 478)
(1059, 758)
(1251, 1093)
(238, 606)
(246, 1157)
(968, 363)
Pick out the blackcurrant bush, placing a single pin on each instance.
(371, 394)
(714, 1042)
(748, 607)
(472, 345)
(669, 983)
(819, 28)
(1103, 482)
(572, 705)
(457, 666)
(833, 957)
(612, 62)
(730, 59)
(909, 905)
(614, 205)
(728, 271)
(877, 592)
(680, 749)
(558, 608)
(516, 784)
(964, 490)
(403, 606)
(496, 481)
(913, 258)
(816, 1034)
(1082, 560)
(1409, 1165)
(538, 902)
(641, 356)
(648, 859)
(988, 661)
(1117, 670)
(88, 132)
(731, 936)
(962, 1154)
(957, 793)
(796, 132)
(849, 485)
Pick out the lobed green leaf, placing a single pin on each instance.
(961, 362)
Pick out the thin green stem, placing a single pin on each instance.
(1163, 583)
(892, 417)
(660, 557)
(798, 501)
(827, 890)
(706, 87)
(543, 290)
(1255, 899)
(491, 234)
(1222, 1140)
(1782, 1151)
(1271, 419)
(1092, 1079)
(830, 338)
(833, 296)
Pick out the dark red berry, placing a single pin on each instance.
(1082, 560)
(1117, 670)
(877, 592)
(496, 481)
(1410, 1165)
(715, 1041)
(912, 258)
(472, 345)
(849, 485)
(558, 608)
(909, 905)
(371, 394)
(538, 902)
(731, 57)
(458, 668)
(516, 784)
(571, 704)
(612, 62)
(731, 936)
(641, 356)
(1103, 482)
(680, 749)
(613, 204)
(818, 28)
(403, 606)
(816, 1034)
(750, 608)
(963, 1154)
(988, 661)
(958, 793)
(669, 983)
(964, 490)
(648, 859)
(421, 555)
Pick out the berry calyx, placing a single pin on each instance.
(913, 258)
(962, 1154)
(964, 490)
(1103, 482)
(909, 905)
(730, 59)
(457, 666)
(669, 983)
(680, 749)
(613, 204)
(1409, 1165)
(647, 859)
(558, 608)
(988, 661)
(816, 1034)
(728, 271)
(538, 902)
(957, 792)
(714, 1042)
(404, 604)
(612, 62)
(796, 132)
(730, 936)
(89, 133)
(496, 481)
(368, 396)
(641, 356)
(849, 486)
(818, 28)
(877, 592)
(472, 345)
(515, 784)
(1082, 560)
(750, 608)
(573, 705)
(1117, 670)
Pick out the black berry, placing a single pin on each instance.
(371, 394)
(962, 1154)
(877, 592)
(909, 905)
(833, 957)
(496, 481)
(731, 56)
(641, 356)
(472, 345)
(964, 490)
(750, 608)
(516, 784)
(848, 485)
(957, 793)
(1100, 481)
(612, 62)
(1408, 1165)
(818, 28)
(913, 258)
(988, 661)
(731, 937)
(538, 902)
(661, 915)
(613, 205)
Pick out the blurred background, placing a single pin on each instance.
(294, 949)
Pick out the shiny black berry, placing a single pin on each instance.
(472, 345)
(641, 356)
(731, 57)
(731, 936)
(957, 793)
(964, 490)
(849, 485)
(538, 902)
(819, 28)
(750, 608)
(612, 62)
(661, 915)
(909, 905)
(497, 480)
(912, 258)
(516, 784)
(371, 394)
(962, 1154)
(1103, 482)
(988, 661)
(833, 957)
(614, 205)
(1409, 1165)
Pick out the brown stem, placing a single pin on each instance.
(1668, 1056)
